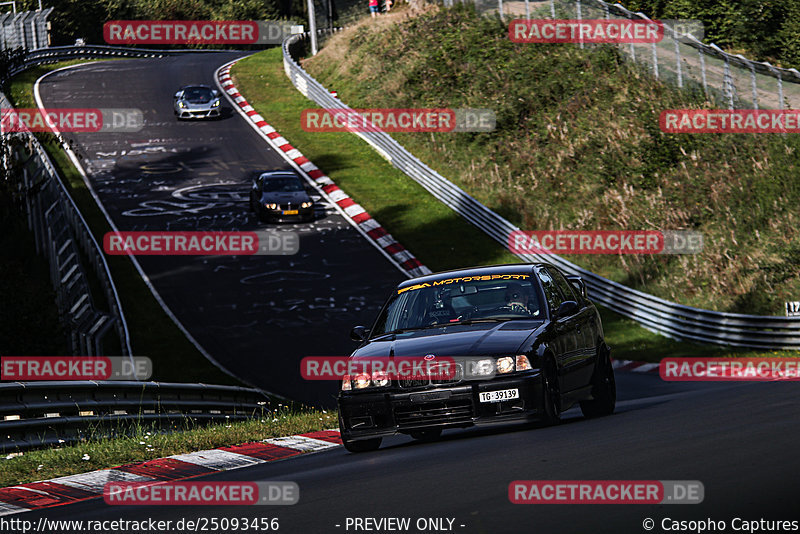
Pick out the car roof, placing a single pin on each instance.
(276, 174)
(511, 268)
(195, 86)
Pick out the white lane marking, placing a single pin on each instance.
(218, 459)
(338, 195)
(354, 210)
(301, 443)
(95, 481)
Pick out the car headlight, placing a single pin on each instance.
(505, 364)
(483, 367)
(181, 104)
(364, 380)
(509, 364)
(306, 204)
(215, 104)
(271, 206)
(361, 381)
(380, 379)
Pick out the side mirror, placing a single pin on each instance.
(359, 333)
(215, 92)
(567, 308)
(178, 95)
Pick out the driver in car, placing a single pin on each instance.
(517, 299)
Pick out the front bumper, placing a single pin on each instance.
(198, 113)
(303, 215)
(365, 415)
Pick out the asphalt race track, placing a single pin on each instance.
(739, 440)
(256, 315)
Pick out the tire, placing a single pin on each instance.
(604, 388)
(551, 396)
(364, 445)
(427, 435)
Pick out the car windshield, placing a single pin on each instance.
(199, 94)
(493, 297)
(281, 184)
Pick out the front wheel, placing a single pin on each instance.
(551, 397)
(604, 389)
(363, 445)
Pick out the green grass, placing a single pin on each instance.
(147, 443)
(411, 214)
(153, 334)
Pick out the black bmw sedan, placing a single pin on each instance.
(525, 341)
(280, 196)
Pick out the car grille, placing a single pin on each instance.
(450, 411)
(458, 376)
(289, 206)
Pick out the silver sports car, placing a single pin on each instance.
(196, 102)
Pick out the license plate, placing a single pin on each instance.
(290, 212)
(501, 395)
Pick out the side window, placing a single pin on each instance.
(566, 287)
(551, 291)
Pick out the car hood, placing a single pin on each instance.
(488, 339)
(295, 197)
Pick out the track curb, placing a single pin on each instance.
(84, 486)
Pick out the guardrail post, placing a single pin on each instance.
(552, 9)
(754, 84)
(727, 83)
(579, 16)
(678, 65)
(703, 70)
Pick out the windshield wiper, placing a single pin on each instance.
(483, 320)
(402, 330)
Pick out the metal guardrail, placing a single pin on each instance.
(55, 54)
(41, 414)
(661, 316)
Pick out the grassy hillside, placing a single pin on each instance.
(578, 146)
